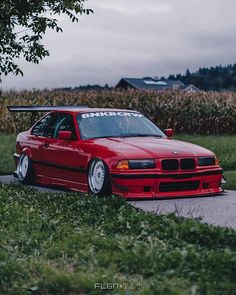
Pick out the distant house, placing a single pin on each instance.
(148, 83)
(191, 88)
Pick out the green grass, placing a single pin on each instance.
(64, 243)
(231, 180)
(7, 149)
(225, 149)
(223, 146)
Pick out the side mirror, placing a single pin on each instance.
(65, 135)
(169, 132)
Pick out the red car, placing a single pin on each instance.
(107, 151)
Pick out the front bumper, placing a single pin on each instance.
(167, 185)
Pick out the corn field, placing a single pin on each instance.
(192, 113)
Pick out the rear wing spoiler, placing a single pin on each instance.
(36, 109)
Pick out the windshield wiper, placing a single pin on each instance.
(127, 135)
(140, 135)
(104, 136)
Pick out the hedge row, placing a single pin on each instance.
(201, 113)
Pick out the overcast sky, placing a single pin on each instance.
(134, 38)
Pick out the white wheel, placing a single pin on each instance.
(25, 170)
(23, 167)
(98, 179)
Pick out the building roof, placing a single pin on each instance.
(149, 83)
(190, 88)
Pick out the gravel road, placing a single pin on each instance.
(217, 210)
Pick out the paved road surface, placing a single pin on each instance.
(217, 210)
(10, 179)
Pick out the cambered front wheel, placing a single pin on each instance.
(99, 178)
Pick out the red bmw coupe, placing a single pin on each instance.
(112, 151)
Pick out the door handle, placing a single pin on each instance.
(46, 145)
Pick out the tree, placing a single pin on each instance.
(219, 78)
(23, 24)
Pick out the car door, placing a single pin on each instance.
(62, 156)
(38, 139)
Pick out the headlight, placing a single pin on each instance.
(136, 164)
(207, 161)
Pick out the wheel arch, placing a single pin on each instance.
(96, 158)
(27, 151)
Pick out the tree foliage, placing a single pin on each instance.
(23, 24)
(217, 78)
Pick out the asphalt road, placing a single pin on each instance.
(217, 210)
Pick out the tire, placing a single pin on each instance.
(25, 170)
(99, 178)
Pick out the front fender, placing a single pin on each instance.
(27, 152)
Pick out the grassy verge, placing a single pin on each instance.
(7, 149)
(225, 149)
(64, 244)
(223, 146)
(231, 180)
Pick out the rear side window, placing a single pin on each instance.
(46, 126)
(51, 124)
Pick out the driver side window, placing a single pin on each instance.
(65, 123)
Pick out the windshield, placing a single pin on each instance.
(116, 124)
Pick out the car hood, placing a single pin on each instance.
(151, 147)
